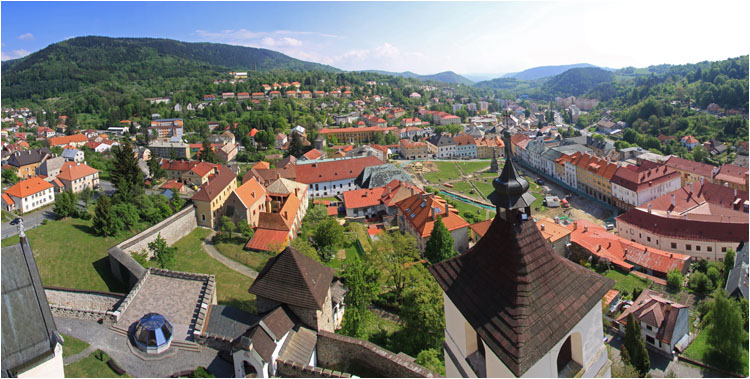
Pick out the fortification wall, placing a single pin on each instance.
(85, 305)
(334, 350)
(172, 229)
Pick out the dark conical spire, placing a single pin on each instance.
(511, 190)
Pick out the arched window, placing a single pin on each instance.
(570, 356)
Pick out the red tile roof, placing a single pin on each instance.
(268, 240)
(465, 139)
(598, 166)
(639, 181)
(335, 170)
(250, 192)
(203, 168)
(71, 171)
(358, 130)
(690, 140)
(313, 154)
(28, 187)
(332, 210)
(480, 228)
(363, 198)
(682, 228)
(417, 210)
(64, 140)
(172, 184)
(732, 174)
(653, 309)
(690, 197)
(552, 231)
(702, 169)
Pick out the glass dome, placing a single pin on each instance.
(153, 333)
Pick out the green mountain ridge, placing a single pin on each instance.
(540, 72)
(443, 77)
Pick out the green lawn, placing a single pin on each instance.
(485, 188)
(231, 286)
(7, 216)
(700, 351)
(466, 207)
(73, 346)
(472, 167)
(234, 250)
(462, 187)
(90, 367)
(70, 255)
(626, 282)
(445, 171)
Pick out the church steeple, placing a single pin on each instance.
(511, 197)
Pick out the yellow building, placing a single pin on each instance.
(356, 135)
(210, 199)
(594, 176)
(487, 146)
(416, 150)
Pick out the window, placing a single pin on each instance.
(709, 249)
(697, 248)
(723, 249)
(688, 247)
(650, 340)
(648, 239)
(674, 245)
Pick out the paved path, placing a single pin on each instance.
(77, 357)
(209, 248)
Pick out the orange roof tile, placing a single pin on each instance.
(215, 185)
(363, 198)
(552, 231)
(480, 228)
(72, 171)
(250, 192)
(268, 240)
(335, 170)
(417, 210)
(64, 140)
(203, 168)
(262, 165)
(28, 187)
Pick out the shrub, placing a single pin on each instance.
(674, 280)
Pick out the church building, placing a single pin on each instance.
(514, 307)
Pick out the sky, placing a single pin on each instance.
(474, 38)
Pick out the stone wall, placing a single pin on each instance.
(125, 303)
(208, 297)
(172, 229)
(286, 369)
(334, 350)
(86, 305)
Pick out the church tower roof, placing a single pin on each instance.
(518, 295)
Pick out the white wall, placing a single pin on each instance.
(698, 249)
(51, 368)
(332, 188)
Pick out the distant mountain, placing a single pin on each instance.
(577, 81)
(481, 77)
(67, 65)
(546, 71)
(444, 77)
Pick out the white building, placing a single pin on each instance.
(663, 323)
(73, 155)
(31, 194)
(332, 177)
(445, 145)
(631, 188)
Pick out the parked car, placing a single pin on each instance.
(16, 221)
(610, 226)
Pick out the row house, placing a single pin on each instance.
(703, 220)
(417, 150)
(333, 177)
(691, 171)
(594, 176)
(357, 135)
(417, 215)
(466, 146)
(444, 145)
(732, 176)
(633, 186)
(490, 148)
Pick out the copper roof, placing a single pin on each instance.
(295, 279)
(517, 293)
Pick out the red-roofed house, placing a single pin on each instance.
(357, 135)
(246, 203)
(691, 171)
(631, 188)
(417, 215)
(363, 202)
(286, 206)
(733, 177)
(689, 141)
(663, 323)
(174, 186)
(199, 173)
(209, 200)
(312, 155)
(30, 194)
(78, 176)
(330, 178)
(76, 140)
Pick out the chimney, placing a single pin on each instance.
(672, 200)
(575, 226)
(541, 226)
(286, 215)
(432, 212)
(735, 193)
(649, 207)
(609, 245)
(691, 188)
(586, 228)
(668, 307)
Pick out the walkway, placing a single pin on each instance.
(208, 247)
(77, 357)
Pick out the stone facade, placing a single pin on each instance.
(333, 350)
(85, 305)
(286, 369)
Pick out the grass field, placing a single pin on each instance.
(472, 167)
(69, 255)
(700, 351)
(463, 187)
(626, 282)
(445, 171)
(466, 207)
(231, 286)
(234, 250)
(485, 188)
(90, 367)
(73, 346)
(7, 216)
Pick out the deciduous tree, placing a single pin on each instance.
(725, 336)
(362, 281)
(163, 255)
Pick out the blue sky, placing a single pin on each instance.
(424, 37)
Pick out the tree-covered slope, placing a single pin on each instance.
(443, 77)
(545, 71)
(577, 81)
(69, 65)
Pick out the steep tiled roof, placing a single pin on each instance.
(267, 239)
(418, 211)
(640, 180)
(396, 191)
(702, 169)
(691, 196)
(552, 231)
(480, 228)
(358, 130)
(215, 185)
(295, 279)
(177, 165)
(72, 171)
(278, 321)
(262, 165)
(23, 158)
(732, 174)
(203, 168)
(28, 187)
(335, 170)
(284, 186)
(250, 192)
(313, 154)
(363, 198)
(650, 307)
(598, 166)
(462, 140)
(520, 296)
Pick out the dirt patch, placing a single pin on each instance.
(341, 254)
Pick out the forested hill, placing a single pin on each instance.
(444, 77)
(545, 71)
(577, 81)
(69, 65)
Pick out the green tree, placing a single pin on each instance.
(391, 253)
(715, 276)
(303, 246)
(296, 147)
(65, 204)
(226, 228)
(422, 312)
(432, 360)
(207, 153)
(126, 215)
(699, 282)
(728, 264)
(328, 235)
(699, 154)
(362, 281)
(104, 223)
(125, 173)
(155, 169)
(244, 229)
(724, 339)
(674, 280)
(162, 254)
(10, 176)
(439, 246)
(634, 351)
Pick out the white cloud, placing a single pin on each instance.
(15, 54)
(26, 37)
(283, 41)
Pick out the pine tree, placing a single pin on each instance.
(125, 174)
(103, 223)
(728, 264)
(207, 152)
(296, 148)
(637, 353)
(440, 245)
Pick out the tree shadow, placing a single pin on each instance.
(104, 270)
(88, 229)
(245, 305)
